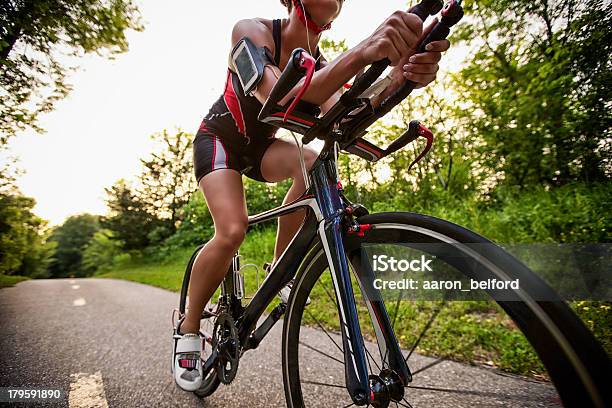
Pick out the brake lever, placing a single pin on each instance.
(415, 130)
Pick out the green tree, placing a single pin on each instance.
(166, 182)
(36, 35)
(71, 238)
(129, 218)
(23, 246)
(101, 251)
(24, 249)
(536, 89)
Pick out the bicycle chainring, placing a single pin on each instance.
(225, 341)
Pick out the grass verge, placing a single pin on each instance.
(10, 280)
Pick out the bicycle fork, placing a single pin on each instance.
(331, 233)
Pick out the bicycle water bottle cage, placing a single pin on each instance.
(249, 62)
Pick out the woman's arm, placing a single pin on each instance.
(325, 82)
(392, 39)
(327, 105)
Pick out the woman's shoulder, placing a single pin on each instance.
(259, 30)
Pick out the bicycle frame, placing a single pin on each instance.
(327, 215)
(324, 222)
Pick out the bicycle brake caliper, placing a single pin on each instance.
(359, 229)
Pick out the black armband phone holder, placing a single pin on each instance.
(248, 62)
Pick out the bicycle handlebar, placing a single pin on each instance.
(291, 75)
(347, 129)
(423, 10)
(451, 14)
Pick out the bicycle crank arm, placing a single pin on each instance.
(210, 363)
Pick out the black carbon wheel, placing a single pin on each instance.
(575, 362)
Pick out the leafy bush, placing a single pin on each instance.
(101, 252)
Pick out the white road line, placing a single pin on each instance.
(87, 391)
(75, 286)
(79, 302)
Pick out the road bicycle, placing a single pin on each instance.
(326, 262)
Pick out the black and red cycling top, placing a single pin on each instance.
(234, 113)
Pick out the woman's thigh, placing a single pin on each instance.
(282, 160)
(224, 194)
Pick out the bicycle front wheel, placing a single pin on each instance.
(566, 353)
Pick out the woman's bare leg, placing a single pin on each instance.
(280, 162)
(224, 195)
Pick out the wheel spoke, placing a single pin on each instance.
(425, 329)
(438, 361)
(464, 392)
(397, 303)
(329, 295)
(320, 352)
(325, 331)
(445, 357)
(373, 359)
(408, 405)
(323, 384)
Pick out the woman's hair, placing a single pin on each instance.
(287, 3)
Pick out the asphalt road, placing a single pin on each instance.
(108, 342)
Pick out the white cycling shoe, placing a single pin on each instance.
(187, 365)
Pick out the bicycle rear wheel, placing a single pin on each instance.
(575, 363)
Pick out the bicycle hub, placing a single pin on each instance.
(386, 388)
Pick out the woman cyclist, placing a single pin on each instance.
(231, 141)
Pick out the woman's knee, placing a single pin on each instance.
(231, 234)
(310, 156)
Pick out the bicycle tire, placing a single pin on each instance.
(576, 363)
(211, 383)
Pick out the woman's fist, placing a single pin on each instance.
(422, 68)
(396, 38)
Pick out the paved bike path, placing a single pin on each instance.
(107, 343)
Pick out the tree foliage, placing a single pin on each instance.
(537, 88)
(129, 218)
(23, 248)
(71, 238)
(166, 182)
(101, 252)
(149, 211)
(35, 38)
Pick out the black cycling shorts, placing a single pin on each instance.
(214, 150)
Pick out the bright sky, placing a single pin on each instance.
(173, 72)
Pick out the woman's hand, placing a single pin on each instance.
(394, 39)
(422, 68)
